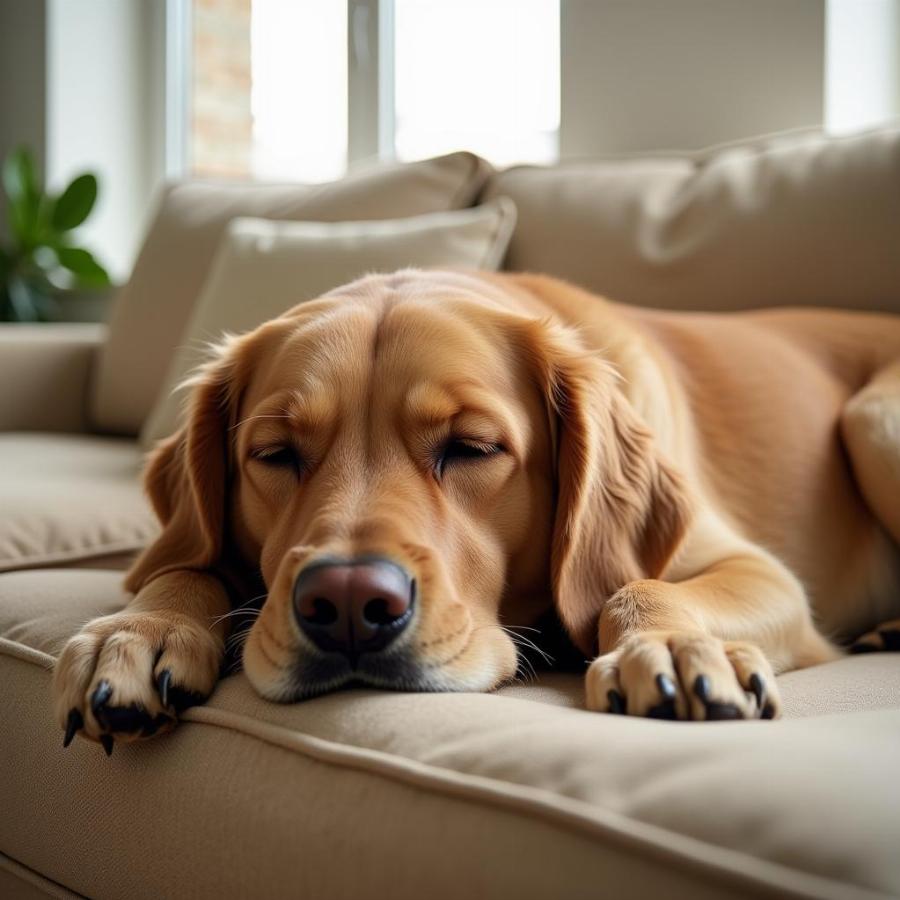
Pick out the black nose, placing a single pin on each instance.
(355, 606)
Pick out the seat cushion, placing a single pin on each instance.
(517, 793)
(65, 499)
(152, 309)
(790, 220)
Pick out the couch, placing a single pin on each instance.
(372, 794)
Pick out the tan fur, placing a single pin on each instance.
(703, 498)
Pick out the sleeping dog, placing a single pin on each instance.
(415, 461)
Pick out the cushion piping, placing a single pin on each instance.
(40, 882)
(718, 863)
(65, 556)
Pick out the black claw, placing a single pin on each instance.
(758, 686)
(702, 687)
(101, 696)
(181, 699)
(768, 712)
(664, 710)
(162, 685)
(108, 743)
(74, 724)
(717, 712)
(666, 686)
(616, 702)
(176, 697)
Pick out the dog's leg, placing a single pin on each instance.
(871, 430)
(127, 676)
(706, 647)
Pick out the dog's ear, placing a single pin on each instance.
(621, 510)
(186, 475)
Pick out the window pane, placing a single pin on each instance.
(269, 89)
(220, 88)
(480, 75)
(299, 96)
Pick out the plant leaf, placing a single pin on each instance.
(82, 264)
(75, 203)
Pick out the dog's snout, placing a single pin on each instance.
(354, 606)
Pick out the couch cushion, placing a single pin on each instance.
(794, 219)
(263, 268)
(518, 793)
(65, 499)
(50, 366)
(151, 310)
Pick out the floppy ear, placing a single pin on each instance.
(621, 509)
(186, 481)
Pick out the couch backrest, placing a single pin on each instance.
(794, 219)
(152, 309)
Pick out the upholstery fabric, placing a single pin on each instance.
(150, 312)
(69, 498)
(518, 793)
(45, 371)
(263, 268)
(789, 220)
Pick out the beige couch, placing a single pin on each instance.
(515, 794)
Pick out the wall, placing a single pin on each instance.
(655, 74)
(22, 79)
(105, 112)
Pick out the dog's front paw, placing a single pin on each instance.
(683, 675)
(127, 676)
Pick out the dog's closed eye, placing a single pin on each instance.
(279, 456)
(463, 450)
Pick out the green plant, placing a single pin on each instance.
(40, 259)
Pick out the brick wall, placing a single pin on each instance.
(221, 124)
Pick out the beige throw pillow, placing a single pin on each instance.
(263, 268)
(785, 220)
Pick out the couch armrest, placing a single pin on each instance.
(45, 371)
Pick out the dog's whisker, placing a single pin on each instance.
(521, 628)
(520, 640)
(245, 608)
(233, 613)
(238, 638)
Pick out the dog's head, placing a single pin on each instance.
(409, 465)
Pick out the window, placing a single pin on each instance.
(482, 75)
(270, 83)
(269, 89)
(298, 54)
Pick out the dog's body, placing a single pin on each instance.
(754, 407)
(687, 490)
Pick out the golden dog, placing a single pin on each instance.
(415, 460)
